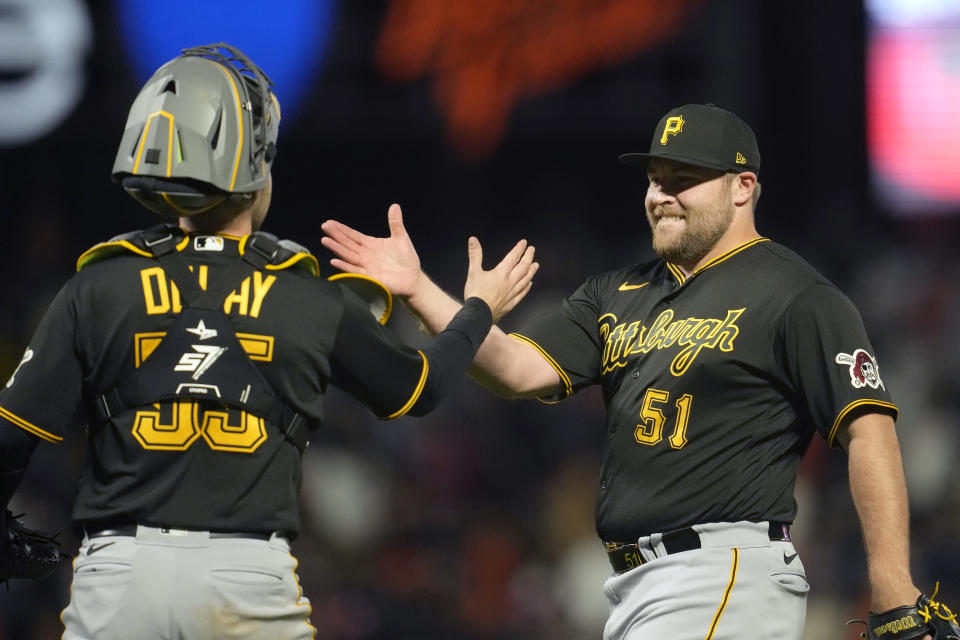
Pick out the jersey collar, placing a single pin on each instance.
(681, 278)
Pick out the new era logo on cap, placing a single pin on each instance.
(703, 135)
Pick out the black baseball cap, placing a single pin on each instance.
(703, 135)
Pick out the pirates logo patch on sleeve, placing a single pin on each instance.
(864, 371)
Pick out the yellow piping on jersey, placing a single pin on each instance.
(382, 294)
(296, 580)
(676, 271)
(567, 386)
(731, 253)
(850, 407)
(726, 594)
(103, 250)
(26, 426)
(416, 392)
(313, 266)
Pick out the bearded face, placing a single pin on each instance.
(689, 209)
(685, 236)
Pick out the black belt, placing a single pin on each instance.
(131, 530)
(625, 555)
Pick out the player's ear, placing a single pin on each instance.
(743, 187)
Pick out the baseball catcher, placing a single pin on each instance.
(199, 352)
(925, 618)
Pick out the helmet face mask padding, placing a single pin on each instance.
(202, 129)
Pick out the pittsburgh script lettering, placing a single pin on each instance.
(691, 334)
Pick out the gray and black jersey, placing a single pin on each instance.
(714, 383)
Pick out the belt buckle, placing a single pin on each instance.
(623, 556)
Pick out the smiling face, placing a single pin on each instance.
(689, 209)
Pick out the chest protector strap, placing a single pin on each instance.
(200, 357)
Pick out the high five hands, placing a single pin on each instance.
(394, 262)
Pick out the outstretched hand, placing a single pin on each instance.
(506, 284)
(393, 261)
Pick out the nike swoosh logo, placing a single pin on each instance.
(788, 559)
(97, 547)
(626, 286)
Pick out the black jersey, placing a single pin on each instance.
(189, 463)
(713, 383)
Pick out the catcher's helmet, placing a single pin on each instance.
(202, 129)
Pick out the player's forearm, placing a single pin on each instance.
(431, 306)
(880, 496)
(502, 365)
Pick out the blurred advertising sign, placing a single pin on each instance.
(43, 46)
(285, 38)
(912, 93)
(484, 56)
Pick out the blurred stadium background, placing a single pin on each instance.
(503, 118)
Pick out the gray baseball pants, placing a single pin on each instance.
(169, 584)
(739, 585)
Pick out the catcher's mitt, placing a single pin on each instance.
(26, 554)
(927, 617)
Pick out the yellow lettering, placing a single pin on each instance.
(202, 277)
(246, 435)
(155, 290)
(176, 435)
(709, 333)
(728, 331)
(161, 297)
(657, 331)
(895, 626)
(673, 126)
(612, 346)
(677, 330)
(630, 335)
(241, 299)
(693, 334)
(261, 286)
(175, 297)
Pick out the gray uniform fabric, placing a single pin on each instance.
(175, 584)
(721, 591)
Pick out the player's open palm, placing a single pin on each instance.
(393, 260)
(506, 284)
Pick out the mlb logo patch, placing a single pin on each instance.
(208, 243)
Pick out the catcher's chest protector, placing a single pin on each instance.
(200, 356)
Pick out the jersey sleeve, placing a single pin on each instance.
(392, 379)
(45, 392)
(830, 361)
(568, 340)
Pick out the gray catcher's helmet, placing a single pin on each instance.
(202, 129)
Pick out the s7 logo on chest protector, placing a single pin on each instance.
(202, 359)
(864, 371)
